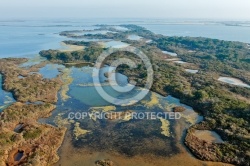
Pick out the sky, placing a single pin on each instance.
(209, 9)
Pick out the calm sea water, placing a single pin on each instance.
(30, 37)
(216, 31)
(23, 38)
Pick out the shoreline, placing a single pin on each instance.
(70, 47)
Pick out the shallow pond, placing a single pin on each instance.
(69, 47)
(83, 83)
(18, 156)
(191, 71)
(165, 135)
(6, 98)
(169, 53)
(233, 81)
(50, 70)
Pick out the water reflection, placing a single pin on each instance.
(6, 98)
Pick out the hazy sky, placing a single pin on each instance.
(219, 9)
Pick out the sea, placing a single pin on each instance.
(20, 38)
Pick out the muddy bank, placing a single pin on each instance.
(208, 150)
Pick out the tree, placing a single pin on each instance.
(201, 95)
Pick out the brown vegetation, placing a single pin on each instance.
(22, 139)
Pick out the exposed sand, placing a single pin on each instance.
(68, 47)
